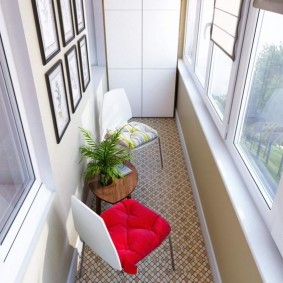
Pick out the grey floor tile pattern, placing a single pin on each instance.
(168, 192)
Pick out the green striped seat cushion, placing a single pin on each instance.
(135, 134)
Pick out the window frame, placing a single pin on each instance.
(210, 82)
(236, 116)
(22, 236)
(10, 103)
(17, 223)
(261, 226)
(222, 125)
(196, 43)
(191, 62)
(192, 65)
(228, 127)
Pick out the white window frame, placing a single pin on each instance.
(262, 205)
(19, 219)
(21, 211)
(20, 240)
(259, 224)
(267, 208)
(227, 127)
(191, 63)
(222, 125)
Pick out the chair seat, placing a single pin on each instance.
(135, 231)
(135, 134)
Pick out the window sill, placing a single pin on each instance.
(261, 244)
(13, 268)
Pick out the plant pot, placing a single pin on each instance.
(105, 180)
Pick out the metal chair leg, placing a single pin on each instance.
(160, 152)
(82, 260)
(123, 276)
(171, 252)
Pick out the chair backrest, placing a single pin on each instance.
(116, 109)
(92, 230)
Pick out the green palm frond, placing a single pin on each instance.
(88, 138)
(103, 157)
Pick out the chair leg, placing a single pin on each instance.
(160, 152)
(171, 252)
(123, 276)
(82, 260)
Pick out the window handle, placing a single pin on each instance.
(206, 27)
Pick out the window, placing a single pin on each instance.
(31, 198)
(244, 96)
(259, 137)
(192, 13)
(16, 171)
(210, 67)
(220, 72)
(203, 43)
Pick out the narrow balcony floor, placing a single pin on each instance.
(168, 192)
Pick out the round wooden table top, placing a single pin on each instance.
(118, 190)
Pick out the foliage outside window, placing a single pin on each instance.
(244, 97)
(210, 67)
(261, 133)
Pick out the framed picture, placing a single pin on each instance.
(79, 15)
(73, 77)
(46, 28)
(66, 20)
(84, 63)
(58, 99)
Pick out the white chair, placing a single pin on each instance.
(144, 230)
(116, 111)
(92, 231)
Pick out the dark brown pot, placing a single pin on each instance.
(103, 180)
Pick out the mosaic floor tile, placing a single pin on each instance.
(168, 192)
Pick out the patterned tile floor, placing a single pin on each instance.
(168, 192)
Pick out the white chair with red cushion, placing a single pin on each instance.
(123, 235)
(116, 111)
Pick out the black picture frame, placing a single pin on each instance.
(46, 27)
(56, 88)
(79, 15)
(74, 84)
(84, 62)
(66, 21)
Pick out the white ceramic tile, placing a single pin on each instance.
(122, 4)
(158, 92)
(130, 80)
(160, 39)
(161, 4)
(123, 38)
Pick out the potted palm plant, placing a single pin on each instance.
(103, 157)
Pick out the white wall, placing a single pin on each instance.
(60, 169)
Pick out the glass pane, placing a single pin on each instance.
(191, 24)
(220, 72)
(261, 135)
(204, 39)
(16, 175)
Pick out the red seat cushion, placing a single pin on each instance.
(135, 231)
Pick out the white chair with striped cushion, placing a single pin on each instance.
(116, 111)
